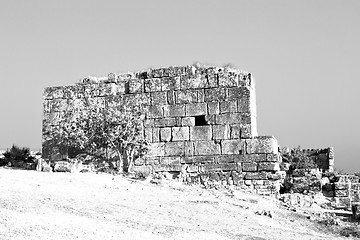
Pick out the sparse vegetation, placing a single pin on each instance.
(299, 159)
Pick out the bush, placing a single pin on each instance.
(16, 153)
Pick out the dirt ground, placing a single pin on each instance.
(38, 205)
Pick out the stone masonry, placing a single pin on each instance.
(200, 123)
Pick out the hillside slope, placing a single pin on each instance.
(38, 205)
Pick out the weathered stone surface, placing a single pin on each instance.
(256, 175)
(249, 166)
(170, 83)
(188, 121)
(268, 166)
(341, 185)
(180, 133)
(174, 110)
(174, 149)
(165, 134)
(206, 148)
(233, 118)
(158, 98)
(228, 106)
(218, 167)
(165, 122)
(235, 146)
(221, 131)
(348, 178)
(236, 158)
(262, 145)
(199, 159)
(228, 79)
(238, 93)
(136, 86)
(196, 109)
(342, 193)
(215, 94)
(235, 132)
(148, 134)
(167, 168)
(213, 108)
(200, 95)
(200, 133)
(155, 112)
(210, 119)
(173, 160)
(272, 158)
(189, 82)
(243, 105)
(155, 134)
(152, 85)
(62, 166)
(254, 157)
(248, 130)
(189, 148)
(186, 96)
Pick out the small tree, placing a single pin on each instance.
(17, 153)
(114, 124)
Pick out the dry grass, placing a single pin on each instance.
(36, 205)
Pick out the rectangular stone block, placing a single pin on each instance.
(249, 166)
(210, 119)
(155, 112)
(165, 122)
(248, 130)
(243, 105)
(272, 158)
(221, 131)
(158, 98)
(218, 167)
(256, 176)
(152, 85)
(188, 121)
(201, 95)
(171, 97)
(189, 149)
(235, 146)
(192, 82)
(236, 158)
(171, 83)
(155, 134)
(167, 168)
(148, 134)
(174, 110)
(228, 79)
(136, 85)
(200, 133)
(238, 93)
(148, 123)
(233, 118)
(235, 132)
(180, 133)
(185, 96)
(262, 145)
(196, 109)
(342, 193)
(173, 160)
(174, 149)
(165, 134)
(215, 95)
(156, 149)
(341, 186)
(213, 108)
(199, 159)
(228, 107)
(206, 148)
(268, 166)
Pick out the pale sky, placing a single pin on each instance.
(304, 56)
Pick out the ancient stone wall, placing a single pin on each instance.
(200, 123)
(323, 157)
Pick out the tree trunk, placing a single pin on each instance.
(130, 160)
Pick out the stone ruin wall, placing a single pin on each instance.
(200, 123)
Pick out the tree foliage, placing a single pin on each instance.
(112, 123)
(17, 153)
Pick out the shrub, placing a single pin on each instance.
(17, 153)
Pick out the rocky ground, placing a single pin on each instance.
(39, 205)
